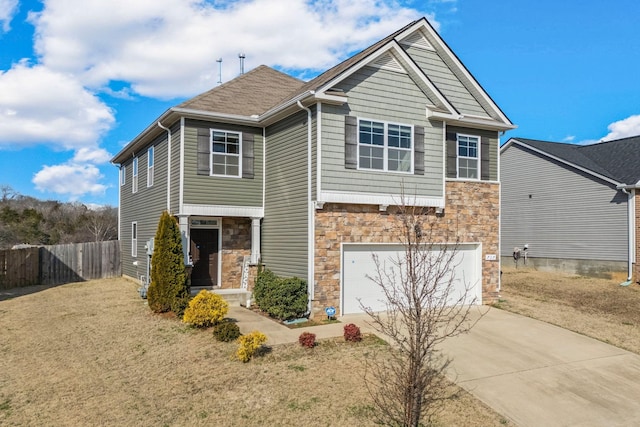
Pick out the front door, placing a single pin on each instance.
(204, 253)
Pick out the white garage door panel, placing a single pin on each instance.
(358, 263)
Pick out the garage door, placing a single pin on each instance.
(357, 263)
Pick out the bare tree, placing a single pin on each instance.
(427, 302)
(102, 223)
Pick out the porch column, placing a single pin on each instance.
(255, 240)
(183, 221)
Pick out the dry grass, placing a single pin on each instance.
(597, 308)
(93, 354)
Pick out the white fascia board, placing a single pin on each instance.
(558, 159)
(470, 121)
(293, 102)
(222, 211)
(208, 115)
(394, 47)
(443, 47)
(378, 199)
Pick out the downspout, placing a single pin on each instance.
(631, 208)
(310, 217)
(168, 165)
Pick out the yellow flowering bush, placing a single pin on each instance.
(206, 309)
(248, 345)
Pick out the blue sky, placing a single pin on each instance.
(81, 78)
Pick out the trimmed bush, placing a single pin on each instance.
(206, 309)
(307, 339)
(169, 288)
(226, 332)
(282, 298)
(352, 333)
(249, 344)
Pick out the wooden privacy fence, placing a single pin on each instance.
(55, 265)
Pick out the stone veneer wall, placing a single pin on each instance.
(236, 243)
(471, 213)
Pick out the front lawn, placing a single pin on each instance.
(93, 354)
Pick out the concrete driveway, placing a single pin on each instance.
(531, 372)
(537, 374)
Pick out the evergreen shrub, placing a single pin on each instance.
(206, 309)
(352, 333)
(282, 298)
(226, 332)
(249, 344)
(307, 339)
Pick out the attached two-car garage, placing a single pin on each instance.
(358, 262)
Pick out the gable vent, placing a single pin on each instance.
(388, 62)
(417, 40)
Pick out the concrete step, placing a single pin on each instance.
(235, 297)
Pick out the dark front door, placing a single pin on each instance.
(204, 253)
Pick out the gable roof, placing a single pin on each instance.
(616, 161)
(249, 94)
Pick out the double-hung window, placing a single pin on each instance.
(134, 181)
(150, 162)
(134, 239)
(226, 153)
(385, 146)
(468, 159)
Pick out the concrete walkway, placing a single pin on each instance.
(531, 372)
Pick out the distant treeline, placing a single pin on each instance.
(27, 220)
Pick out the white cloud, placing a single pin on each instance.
(168, 48)
(73, 180)
(39, 105)
(91, 155)
(569, 138)
(8, 8)
(623, 128)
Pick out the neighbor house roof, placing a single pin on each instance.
(617, 160)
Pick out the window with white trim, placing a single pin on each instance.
(134, 239)
(150, 162)
(385, 146)
(468, 159)
(134, 181)
(226, 153)
(123, 175)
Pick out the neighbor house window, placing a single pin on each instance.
(134, 239)
(134, 182)
(150, 161)
(225, 153)
(468, 161)
(123, 175)
(385, 146)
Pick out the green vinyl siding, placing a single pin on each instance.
(175, 167)
(489, 158)
(387, 96)
(441, 74)
(143, 207)
(285, 224)
(215, 190)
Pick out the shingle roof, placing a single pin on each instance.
(618, 160)
(252, 93)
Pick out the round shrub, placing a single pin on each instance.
(282, 298)
(226, 332)
(352, 333)
(205, 309)
(307, 339)
(249, 344)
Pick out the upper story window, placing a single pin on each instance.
(385, 146)
(123, 175)
(226, 153)
(468, 158)
(150, 162)
(134, 182)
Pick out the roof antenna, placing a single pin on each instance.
(241, 56)
(219, 61)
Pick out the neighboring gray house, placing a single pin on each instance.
(306, 176)
(574, 205)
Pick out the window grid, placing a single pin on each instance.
(468, 156)
(134, 182)
(150, 162)
(225, 153)
(385, 146)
